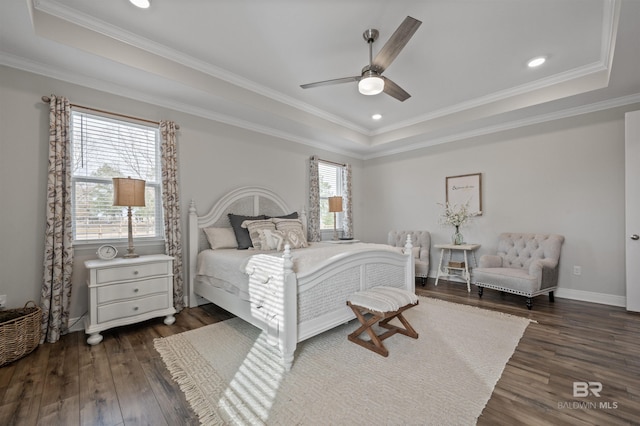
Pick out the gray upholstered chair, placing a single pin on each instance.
(526, 264)
(421, 241)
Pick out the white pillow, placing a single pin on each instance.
(221, 238)
(416, 252)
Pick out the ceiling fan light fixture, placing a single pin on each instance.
(142, 4)
(370, 84)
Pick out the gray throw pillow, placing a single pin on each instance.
(242, 234)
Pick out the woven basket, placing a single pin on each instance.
(19, 332)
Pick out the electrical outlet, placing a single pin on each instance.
(577, 270)
(3, 301)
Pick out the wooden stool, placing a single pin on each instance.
(383, 304)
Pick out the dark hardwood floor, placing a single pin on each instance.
(123, 381)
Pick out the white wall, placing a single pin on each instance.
(564, 177)
(213, 159)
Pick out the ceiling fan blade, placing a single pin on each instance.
(396, 43)
(334, 81)
(392, 89)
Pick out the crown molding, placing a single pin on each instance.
(92, 83)
(58, 10)
(514, 124)
(170, 104)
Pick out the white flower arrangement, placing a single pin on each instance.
(455, 215)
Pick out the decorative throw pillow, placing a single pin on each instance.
(221, 238)
(272, 239)
(293, 232)
(242, 234)
(254, 227)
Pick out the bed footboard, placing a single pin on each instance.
(273, 300)
(295, 308)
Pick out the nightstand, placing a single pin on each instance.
(126, 291)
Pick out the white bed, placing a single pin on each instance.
(285, 294)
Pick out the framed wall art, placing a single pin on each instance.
(465, 189)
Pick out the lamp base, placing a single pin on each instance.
(130, 251)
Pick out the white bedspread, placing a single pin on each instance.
(229, 265)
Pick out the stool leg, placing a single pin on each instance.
(375, 344)
(407, 330)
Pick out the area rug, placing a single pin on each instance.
(230, 375)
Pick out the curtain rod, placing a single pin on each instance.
(47, 99)
(331, 162)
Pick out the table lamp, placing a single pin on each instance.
(335, 205)
(130, 193)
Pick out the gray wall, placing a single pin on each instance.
(565, 176)
(213, 158)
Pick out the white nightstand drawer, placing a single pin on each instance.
(128, 290)
(133, 307)
(132, 272)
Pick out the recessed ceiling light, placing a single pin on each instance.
(376, 116)
(536, 62)
(142, 4)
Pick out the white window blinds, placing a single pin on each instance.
(103, 148)
(330, 176)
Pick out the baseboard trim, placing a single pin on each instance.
(77, 324)
(589, 296)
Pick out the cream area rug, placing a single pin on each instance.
(230, 375)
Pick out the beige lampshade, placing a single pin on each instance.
(128, 192)
(335, 204)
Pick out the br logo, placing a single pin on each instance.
(583, 389)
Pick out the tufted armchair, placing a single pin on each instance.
(421, 241)
(526, 264)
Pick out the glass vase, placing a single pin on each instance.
(457, 237)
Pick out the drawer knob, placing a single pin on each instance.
(135, 290)
(135, 308)
(135, 272)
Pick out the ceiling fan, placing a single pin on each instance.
(371, 81)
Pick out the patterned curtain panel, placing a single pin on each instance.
(171, 208)
(58, 248)
(313, 220)
(347, 223)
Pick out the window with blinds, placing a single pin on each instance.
(104, 148)
(330, 177)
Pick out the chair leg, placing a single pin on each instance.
(480, 291)
(551, 297)
(529, 303)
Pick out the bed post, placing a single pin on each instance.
(289, 332)
(193, 252)
(411, 271)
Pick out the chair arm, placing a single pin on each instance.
(490, 261)
(546, 271)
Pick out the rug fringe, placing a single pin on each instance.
(193, 394)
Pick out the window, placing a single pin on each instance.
(103, 148)
(330, 177)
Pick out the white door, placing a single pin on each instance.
(632, 208)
